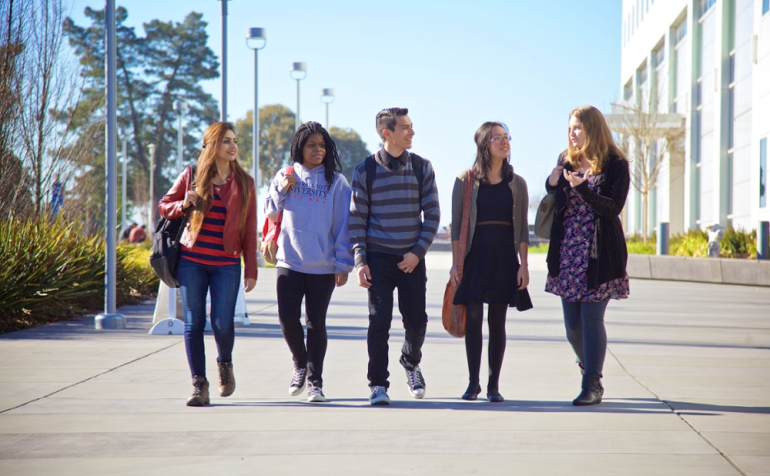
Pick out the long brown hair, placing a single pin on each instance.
(483, 162)
(207, 170)
(599, 145)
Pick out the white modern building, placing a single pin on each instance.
(709, 60)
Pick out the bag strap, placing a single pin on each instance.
(466, 213)
(186, 217)
(417, 167)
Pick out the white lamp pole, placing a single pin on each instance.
(150, 221)
(256, 39)
(124, 180)
(327, 97)
(179, 107)
(298, 72)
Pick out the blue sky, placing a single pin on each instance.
(454, 64)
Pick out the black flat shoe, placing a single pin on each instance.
(494, 396)
(589, 397)
(470, 394)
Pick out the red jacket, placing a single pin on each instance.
(170, 207)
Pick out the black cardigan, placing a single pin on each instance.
(608, 255)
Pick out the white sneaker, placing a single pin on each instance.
(379, 396)
(315, 394)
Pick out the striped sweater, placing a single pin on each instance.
(209, 246)
(394, 222)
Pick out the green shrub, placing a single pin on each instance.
(53, 270)
(739, 243)
(540, 248)
(735, 244)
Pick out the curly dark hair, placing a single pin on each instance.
(331, 162)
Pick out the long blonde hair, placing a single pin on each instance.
(207, 169)
(599, 145)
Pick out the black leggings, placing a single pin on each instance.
(474, 318)
(291, 287)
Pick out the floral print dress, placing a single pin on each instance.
(571, 283)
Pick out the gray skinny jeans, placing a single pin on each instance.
(586, 333)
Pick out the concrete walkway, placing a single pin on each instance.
(687, 383)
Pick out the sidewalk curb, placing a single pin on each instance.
(703, 270)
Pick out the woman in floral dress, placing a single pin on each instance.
(587, 253)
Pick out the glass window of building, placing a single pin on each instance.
(680, 31)
(765, 6)
(628, 90)
(704, 6)
(658, 55)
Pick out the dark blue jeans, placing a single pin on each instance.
(586, 333)
(386, 277)
(195, 280)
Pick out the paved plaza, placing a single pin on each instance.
(687, 382)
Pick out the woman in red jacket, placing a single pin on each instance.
(221, 228)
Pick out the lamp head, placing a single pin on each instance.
(180, 105)
(256, 38)
(327, 95)
(298, 71)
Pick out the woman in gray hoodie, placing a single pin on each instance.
(313, 248)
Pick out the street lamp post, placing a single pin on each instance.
(327, 97)
(256, 39)
(224, 60)
(150, 221)
(124, 181)
(298, 72)
(110, 318)
(179, 107)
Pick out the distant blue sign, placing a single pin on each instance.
(57, 199)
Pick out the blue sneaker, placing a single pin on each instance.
(379, 396)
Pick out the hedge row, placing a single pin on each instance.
(53, 270)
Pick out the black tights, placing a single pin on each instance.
(474, 318)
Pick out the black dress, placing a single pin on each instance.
(491, 267)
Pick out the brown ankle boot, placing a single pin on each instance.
(226, 379)
(200, 395)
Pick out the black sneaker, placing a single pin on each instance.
(298, 381)
(315, 394)
(379, 396)
(416, 382)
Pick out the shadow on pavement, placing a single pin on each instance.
(645, 406)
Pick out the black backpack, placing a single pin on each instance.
(165, 245)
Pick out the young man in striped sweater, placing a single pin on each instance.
(391, 189)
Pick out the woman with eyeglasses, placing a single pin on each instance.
(314, 252)
(494, 267)
(587, 253)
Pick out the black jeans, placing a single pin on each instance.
(411, 303)
(586, 333)
(291, 287)
(474, 320)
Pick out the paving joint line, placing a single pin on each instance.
(90, 378)
(678, 414)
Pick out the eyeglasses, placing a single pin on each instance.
(501, 138)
